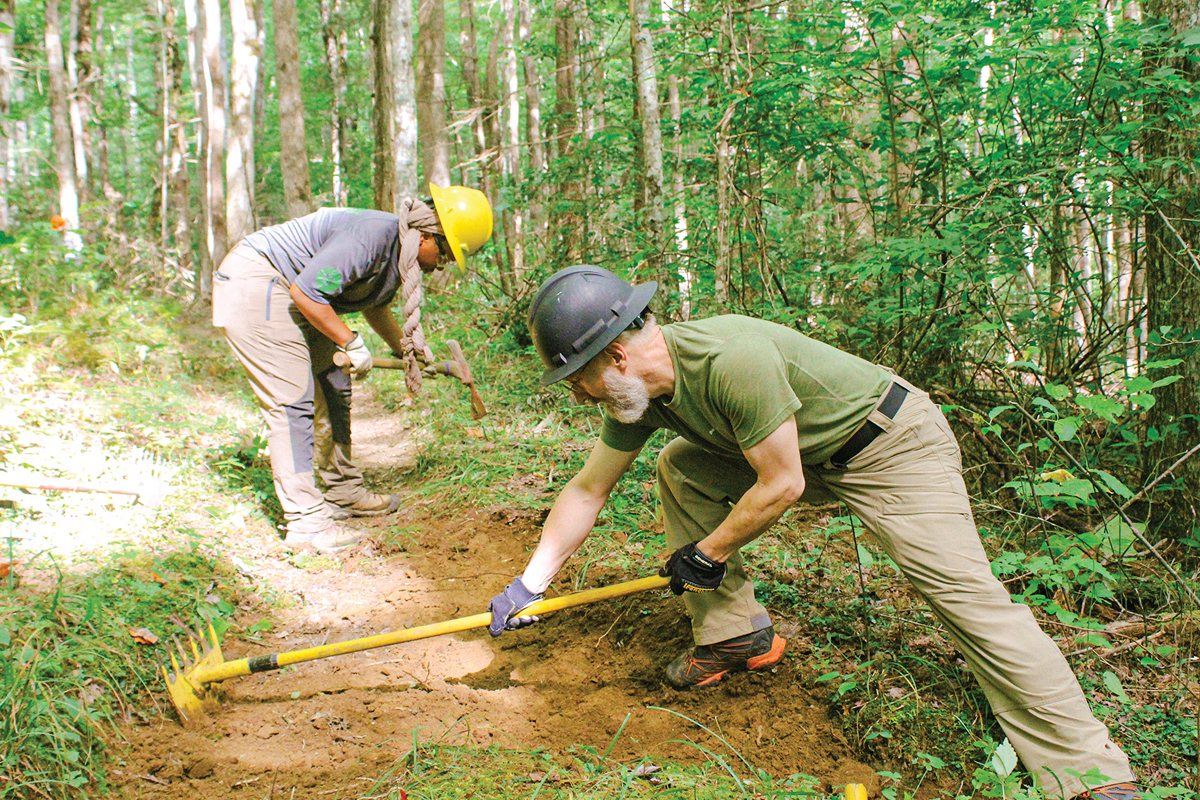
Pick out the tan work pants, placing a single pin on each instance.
(287, 360)
(908, 490)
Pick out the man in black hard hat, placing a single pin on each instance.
(766, 416)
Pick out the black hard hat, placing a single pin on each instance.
(578, 312)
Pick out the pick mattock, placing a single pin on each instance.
(457, 368)
(149, 491)
(190, 680)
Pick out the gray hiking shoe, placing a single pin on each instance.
(335, 539)
(707, 664)
(369, 505)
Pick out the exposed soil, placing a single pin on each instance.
(574, 679)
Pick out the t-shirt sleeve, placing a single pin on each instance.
(749, 387)
(623, 436)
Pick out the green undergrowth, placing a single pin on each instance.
(577, 773)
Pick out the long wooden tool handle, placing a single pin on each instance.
(342, 360)
(266, 663)
(65, 486)
(478, 409)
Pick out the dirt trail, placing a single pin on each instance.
(338, 724)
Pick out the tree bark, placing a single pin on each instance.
(470, 72)
(431, 91)
(533, 119)
(175, 145)
(214, 155)
(334, 58)
(7, 27)
(646, 77)
(81, 77)
(293, 146)
(1172, 263)
(512, 218)
(60, 121)
(239, 156)
(381, 111)
(404, 108)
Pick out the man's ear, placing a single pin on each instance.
(618, 354)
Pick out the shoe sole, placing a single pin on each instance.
(767, 659)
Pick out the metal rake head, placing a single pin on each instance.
(184, 679)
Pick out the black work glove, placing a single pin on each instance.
(507, 606)
(692, 571)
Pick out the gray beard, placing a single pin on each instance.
(628, 397)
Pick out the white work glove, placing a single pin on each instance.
(360, 357)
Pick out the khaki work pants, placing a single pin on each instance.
(908, 490)
(287, 361)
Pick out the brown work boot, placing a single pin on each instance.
(369, 505)
(707, 664)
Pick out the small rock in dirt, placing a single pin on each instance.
(266, 731)
(202, 768)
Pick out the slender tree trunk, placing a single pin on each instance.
(381, 112)
(177, 142)
(7, 27)
(513, 218)
(60, 121)
(566, 222)
(431, 91)
(470, 73)
(214, 156)
(193, 16)
(337, 76)
(1172, 258)
(646, 77)
(82, 75)
(533, 120)
(293, 147)
(404, 108)
(239, 155)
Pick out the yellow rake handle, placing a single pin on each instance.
(266, 663)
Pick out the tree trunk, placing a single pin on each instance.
(82, 76)
(202, 280)
(214, 155)
(60, 121)
(470, 72)
(381, 110)
(646, 77)
(566, 222)
(175, 144)
(533, 119)
(7, 27)
(431, 91)
(239, 156)
(1172, 263)
(293, 147)
(334, 59)
(404, 108)
(512, 218)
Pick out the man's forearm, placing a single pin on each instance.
(384, 323)
(751, 517)
(568, 525)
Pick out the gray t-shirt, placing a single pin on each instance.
(347, 258)
(738, 378)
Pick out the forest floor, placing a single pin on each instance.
(589, 677)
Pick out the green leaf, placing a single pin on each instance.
(5, 636)
(1101, 406)
(864, 556)
(1113, 684)
(1065, 429)
(1058, 391)
(1004, 759)
(1118, 536)
(1118, 488)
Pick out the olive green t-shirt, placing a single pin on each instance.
(737, 379)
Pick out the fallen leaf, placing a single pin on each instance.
(143, 636)
(5, 567)
(159, 579)
(475, 433)
(1058, 476)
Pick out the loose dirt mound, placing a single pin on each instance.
(339, 723)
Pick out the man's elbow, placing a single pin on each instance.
(788, 492)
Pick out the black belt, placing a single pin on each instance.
(869, 431)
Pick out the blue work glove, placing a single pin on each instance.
(692, 571)
(506, 608)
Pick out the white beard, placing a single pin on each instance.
(628, 397)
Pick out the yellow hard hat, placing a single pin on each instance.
(466, 217)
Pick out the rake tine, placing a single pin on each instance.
(183, 656)
(183, 626)
(216, 643)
